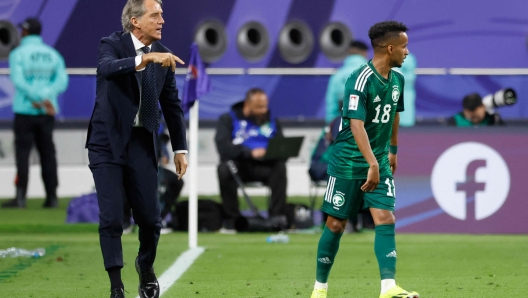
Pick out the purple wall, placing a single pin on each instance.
(443, 33)
(449, 33)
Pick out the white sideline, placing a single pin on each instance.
(176, 270)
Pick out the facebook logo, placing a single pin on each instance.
(470, 181)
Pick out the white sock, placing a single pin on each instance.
(387, 284)
(320, 285)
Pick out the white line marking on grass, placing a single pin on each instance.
(176, 270)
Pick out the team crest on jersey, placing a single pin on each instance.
(338, 199)
(395, 93)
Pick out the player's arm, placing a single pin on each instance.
(355, 102)
(393, 160)
(393, 145)
(360, 135)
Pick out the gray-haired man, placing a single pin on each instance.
(135, 73)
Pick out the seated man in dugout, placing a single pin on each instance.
(242, 136)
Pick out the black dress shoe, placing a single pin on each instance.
(117, 293)
(148, 283)
(51, 202)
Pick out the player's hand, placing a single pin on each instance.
(373, 178)
(165, 59)
(258, 153)
(393, 161)
(181, 164)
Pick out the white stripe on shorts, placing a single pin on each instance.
(330, 189)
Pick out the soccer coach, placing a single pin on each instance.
(134, 73)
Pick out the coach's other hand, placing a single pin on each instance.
(181, 164)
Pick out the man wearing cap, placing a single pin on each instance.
(39, 76)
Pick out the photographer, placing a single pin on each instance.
(477, 113)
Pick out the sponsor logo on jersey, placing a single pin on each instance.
(338, 199)
(467, 173)
(395, 93)
(353, 102)
(377, 99)
(392, 254)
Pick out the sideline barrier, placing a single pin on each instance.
(298, 93)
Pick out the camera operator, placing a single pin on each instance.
(478, 111)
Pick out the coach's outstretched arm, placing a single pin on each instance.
(109, 65)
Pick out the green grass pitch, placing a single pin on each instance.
(244, 265)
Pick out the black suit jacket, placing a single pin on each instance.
(117, 95)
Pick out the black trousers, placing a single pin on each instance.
(36, 130)
(132, 177)
(271, 173)
(169, 191)
(171, 188)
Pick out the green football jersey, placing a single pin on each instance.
(375, 100)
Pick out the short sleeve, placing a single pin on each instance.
(355, 99)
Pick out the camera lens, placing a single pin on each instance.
(510, 97)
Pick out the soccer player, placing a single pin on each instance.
(363, 158)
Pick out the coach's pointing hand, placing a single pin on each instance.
(165, 59)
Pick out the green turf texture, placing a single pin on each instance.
(244, 265)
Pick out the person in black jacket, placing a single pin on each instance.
(242, 136)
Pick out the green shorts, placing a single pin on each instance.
(344, 197)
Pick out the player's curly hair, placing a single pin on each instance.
(383, 31)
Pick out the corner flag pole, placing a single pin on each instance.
(197, 84)
(193, 167)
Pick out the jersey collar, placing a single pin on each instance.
(382, 79)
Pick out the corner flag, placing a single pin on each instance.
(197, 82)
